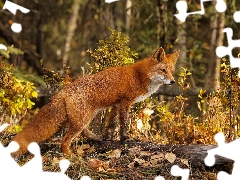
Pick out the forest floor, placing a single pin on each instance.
(118, 163)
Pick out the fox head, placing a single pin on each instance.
(163, 70)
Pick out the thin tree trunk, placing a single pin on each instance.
(128, 15)
(40, 37)
(212, 61)
(219, 42)
(162, 7)
(71, 30)
(181, 44)
(213, 72)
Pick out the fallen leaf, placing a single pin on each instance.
(95, 163)
(170, 157)
(116, 153)
(185, 161)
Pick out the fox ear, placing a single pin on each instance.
(159, 54)
(175, 54)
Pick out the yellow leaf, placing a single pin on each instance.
(34, 94)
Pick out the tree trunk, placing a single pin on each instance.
(128, 15)
(219, 42)
(212, 60)
(71, 30)
(213, 72)
(181, 44)
(162, 8)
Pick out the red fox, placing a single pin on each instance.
(78, 102)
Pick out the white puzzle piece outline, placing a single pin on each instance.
(228, 150)
(12, 7)
(222, 51)
(110, 1)
(177, 171)
(236, 16)
(9, 168)
(182, 9)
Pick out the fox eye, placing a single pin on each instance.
(163, 70)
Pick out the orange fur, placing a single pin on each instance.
(79, 101)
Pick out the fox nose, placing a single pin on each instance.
(172, 82)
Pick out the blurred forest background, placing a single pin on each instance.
(60, 32)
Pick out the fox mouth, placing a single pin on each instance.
(170, 83)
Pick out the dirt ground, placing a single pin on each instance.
(123, 162)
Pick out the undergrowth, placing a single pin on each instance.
(15, 98)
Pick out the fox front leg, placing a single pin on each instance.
(124, 109)
(109, 131)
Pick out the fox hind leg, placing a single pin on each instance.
(73, 132)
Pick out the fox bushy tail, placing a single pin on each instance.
(43, 125)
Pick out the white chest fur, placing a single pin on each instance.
(152, 88)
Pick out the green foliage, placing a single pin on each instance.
(111, 52)
(15, 96)
(11, 50)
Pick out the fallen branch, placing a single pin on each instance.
(194, 153)
(174, 90)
